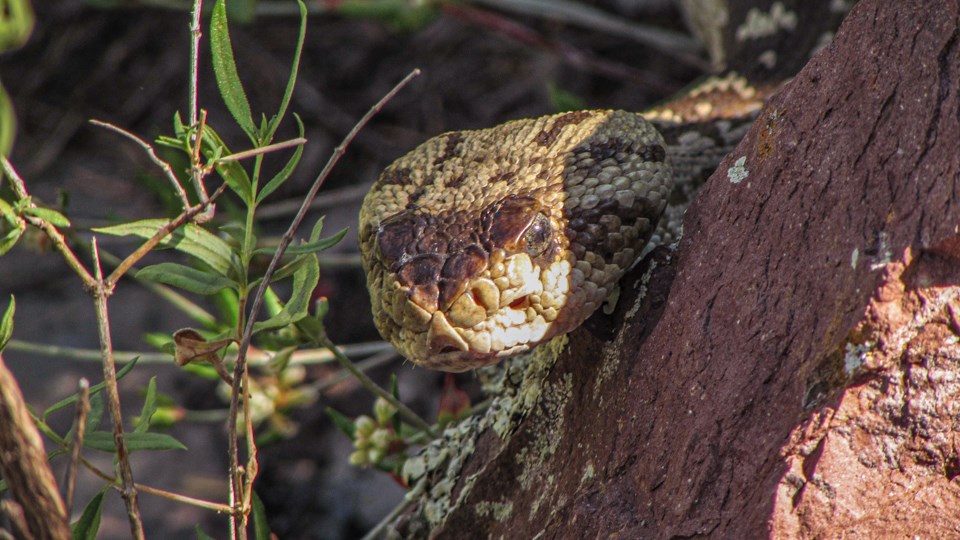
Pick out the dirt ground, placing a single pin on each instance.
(129, 66)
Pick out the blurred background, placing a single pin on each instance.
(126, 62)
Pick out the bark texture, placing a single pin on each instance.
(39, 512)
(793, 369)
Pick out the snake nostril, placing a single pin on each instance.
(521, 303)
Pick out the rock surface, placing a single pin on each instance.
(793, 369)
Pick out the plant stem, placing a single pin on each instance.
(240, 369)
(368, 383)
(127, 490)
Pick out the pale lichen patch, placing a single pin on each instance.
(499, 511)
(588, 473)
(738, 173)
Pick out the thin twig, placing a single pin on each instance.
(240, 369)
(408, 414)
(128, 491)
(218, 507)
(76, 445)
(158, 237)
(148, 148)
(59, 242)
(263, 150)
(195, 34)
(255, 357)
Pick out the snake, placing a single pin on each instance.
(479, 245)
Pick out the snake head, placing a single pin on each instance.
(481, 245)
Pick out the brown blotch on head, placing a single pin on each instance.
(466, 264)
(451, 148)
(456, 181)
(505, 221)
(394, 176)
(420, 275)
(398, 233)
(549, 136)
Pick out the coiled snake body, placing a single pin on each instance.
(479, 245)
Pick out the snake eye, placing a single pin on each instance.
(538, 235)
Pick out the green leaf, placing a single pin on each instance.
(261, 530)
(309, 247)
(289, 269)
(103, 441)
(225, 69)
(48, 214)
(186, 278)
(93, 391)
(6, 323)
(190, 239)
(95, 415)
(202, 535)
(291, 81)
(89, 523)
(287, 170)
(9, 240)
(305, 280)
(149, 407)
(8, 123)
(342, 422)
(232, 172)
(17, 23)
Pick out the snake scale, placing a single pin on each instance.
(479, 245)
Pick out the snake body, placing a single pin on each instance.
(479, 245)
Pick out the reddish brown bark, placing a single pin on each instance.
(794, 370)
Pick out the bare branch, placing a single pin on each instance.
(76, 445)
(148, 148)
(263, 150)
(128, 491)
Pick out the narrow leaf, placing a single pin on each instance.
(190, 239)
(304, 281)
(186, 278)
(89, 523)
(231, 171)
(225, 69)
(342, 422)
(49, 215)
(149, 407)
(8, 123)
(287, 170)
(309, 247)
(292, 80)
(95, 415)
(6, 323)
(9, 240)
(66, 402)
(103, 441)
(261, 530)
